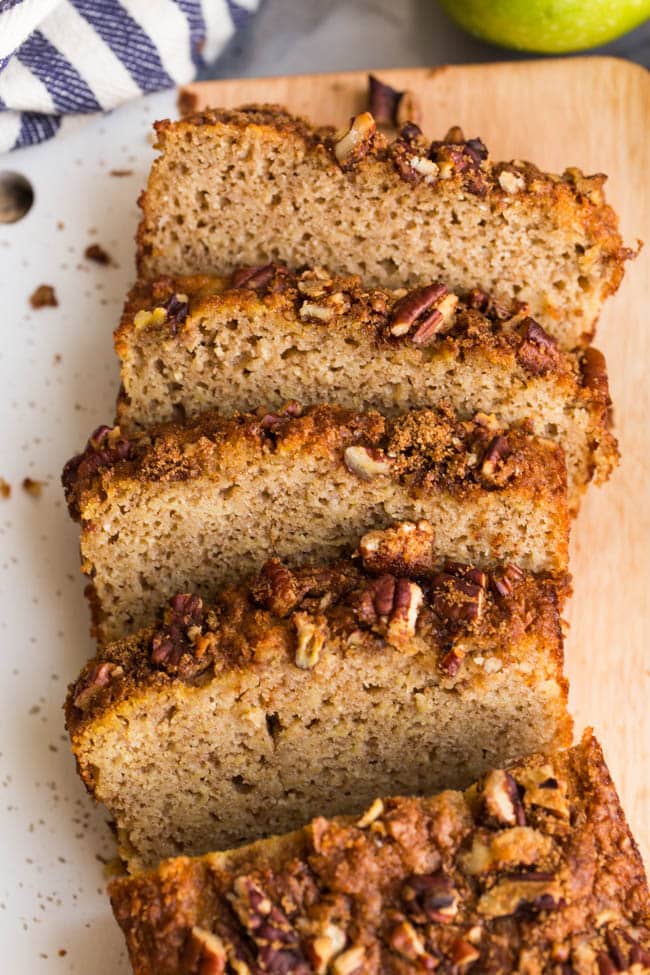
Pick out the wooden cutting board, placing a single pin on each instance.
(593, 113)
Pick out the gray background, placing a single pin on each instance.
(296, 36)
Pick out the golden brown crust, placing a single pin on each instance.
(396, 593)
(426, 450)
(532, 870)
(500, 331)
(575, 199)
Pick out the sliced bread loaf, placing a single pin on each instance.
(256, 185)
(187, 507)
(267, 335)
(313, 690)
(533, 870)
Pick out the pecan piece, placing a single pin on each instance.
(366, 462)
(273, 277)
(405, 940)
(505, 579)
(325, 946)
(177, 308)
(276, 588)
(458, 600)
(536, 891)
(350, 962)
(497, 452)
(501, 800)
(418, 306)
(511, 182)
(88, 686)
(430, 897)
(204, 954)
(312, 632)
(407, 601)
(391, 107)
(539, 351)
(374, 811)
(168, 646)
(544, 790)
(352, 144)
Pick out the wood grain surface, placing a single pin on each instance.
(593, 113)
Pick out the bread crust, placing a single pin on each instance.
(253, 625)
(425, 449)
(564, 890)
(571, 201)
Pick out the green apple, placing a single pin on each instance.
(548, 26)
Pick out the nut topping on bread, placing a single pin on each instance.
(418, 885)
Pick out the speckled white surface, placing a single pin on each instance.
(58, 378)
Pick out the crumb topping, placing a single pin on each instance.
(394, 594)
(502, 878)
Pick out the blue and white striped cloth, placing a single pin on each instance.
(61, 60)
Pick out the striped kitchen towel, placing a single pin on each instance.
(61, 60)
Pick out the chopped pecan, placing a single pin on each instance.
(276, 423)
(383, 591)
(312, 633)
(277, 942)
(350, 962)
(407, 601)
(325, 946)
(366, 462)
(511, 182)
(501, 800)
(352, 144)
(405, 940)
(314, 283)
(538, 351)
(374, 811)
(312, 312)
(458, 594)
(389, 106)
(463, 157)
(172, 641)
(497, 452)
(463, 954)
(177, 308)
(204, 954)
(276, 588)
(505, 579)
(417, 307)
(430, 897)
(493, 308)
(439, 322)
(533, 891)
(589, 186)
(452, 660)
(405, 549)
(88, 686)
(542, 789)
(269, 278)
(514, 846)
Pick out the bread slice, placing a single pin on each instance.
(313, 690)
(257, 185)
(532, 870)
(187, 507)
(267, 335)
